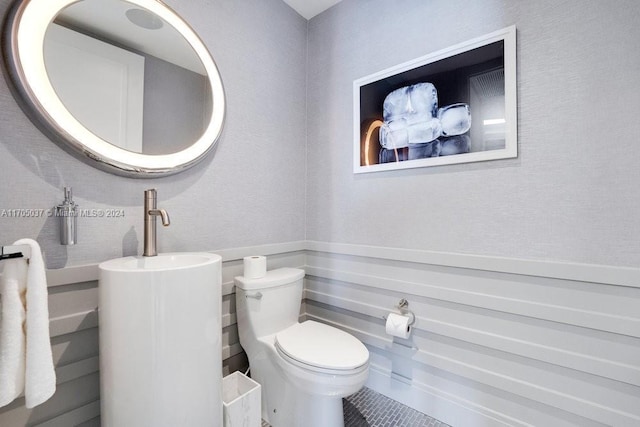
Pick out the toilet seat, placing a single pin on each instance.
(322, 348)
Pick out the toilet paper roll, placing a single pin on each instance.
(398, 325)
(255, 267)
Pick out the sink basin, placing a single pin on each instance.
(161, 262)
(160, 340)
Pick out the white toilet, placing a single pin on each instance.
(305, 369)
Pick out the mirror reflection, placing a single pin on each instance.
(128, 76)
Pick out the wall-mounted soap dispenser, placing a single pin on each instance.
(68, 214)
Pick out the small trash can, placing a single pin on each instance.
(241, 401)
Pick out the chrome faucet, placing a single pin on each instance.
(151, 211)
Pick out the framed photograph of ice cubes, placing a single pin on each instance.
(456, 105)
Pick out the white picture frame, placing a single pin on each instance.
(475, 79)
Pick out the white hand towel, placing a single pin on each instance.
(12, 337)
(40, 376)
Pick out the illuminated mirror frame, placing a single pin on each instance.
(23, 44)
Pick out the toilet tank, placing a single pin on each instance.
(269, 304)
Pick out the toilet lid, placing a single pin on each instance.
(323, 346)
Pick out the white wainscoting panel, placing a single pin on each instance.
(550, 345)
(73, 312)
(496, 342)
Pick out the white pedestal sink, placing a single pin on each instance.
(160, 340)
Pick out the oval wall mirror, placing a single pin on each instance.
(125, 85)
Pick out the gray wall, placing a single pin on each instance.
(517, 270)
(249, 191)
(573, 190)
(497, 341)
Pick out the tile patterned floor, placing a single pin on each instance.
(367, 408)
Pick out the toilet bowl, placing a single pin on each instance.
(305, 369)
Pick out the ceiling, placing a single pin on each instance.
(310, 8)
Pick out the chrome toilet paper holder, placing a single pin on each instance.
(403, 306)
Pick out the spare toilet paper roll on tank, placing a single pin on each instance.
(398, 325)
(255, 267)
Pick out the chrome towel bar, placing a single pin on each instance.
(15, 251)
